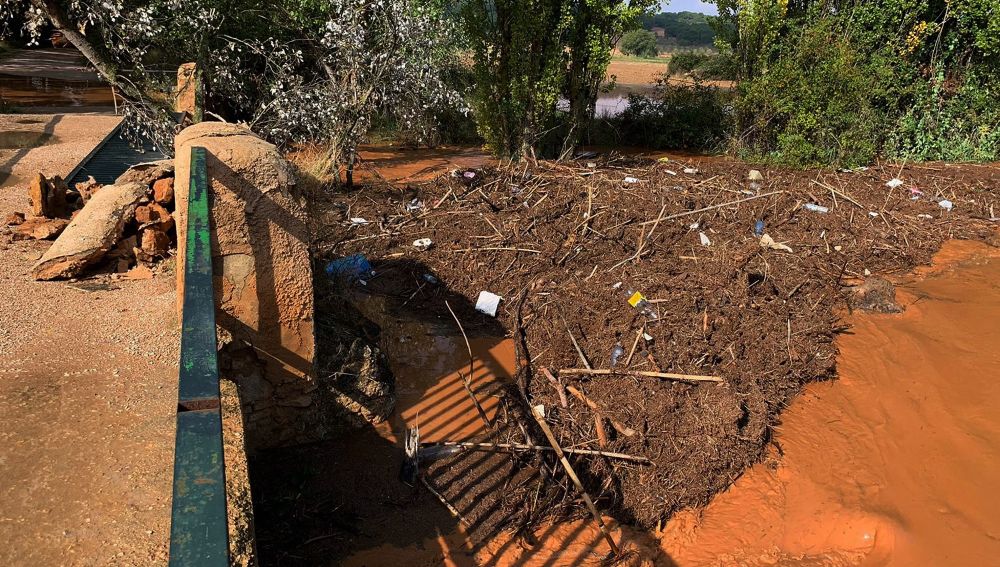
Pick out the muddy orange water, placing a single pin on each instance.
(406, 165)
(897, 463)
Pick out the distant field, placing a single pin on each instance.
(662, 60)
(634, 71)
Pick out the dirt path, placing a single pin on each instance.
(87, 389)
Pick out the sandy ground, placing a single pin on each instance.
(88, 378)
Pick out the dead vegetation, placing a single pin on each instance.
(742, 282)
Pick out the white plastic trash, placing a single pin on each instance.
(767, 242)
(422, 243)
(631, 180)
(704, 239)
(893, 183)
(358, 220)
(488, 303)
(816, 208)
(946, 204)
(691, 171)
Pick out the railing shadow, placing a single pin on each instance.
(342, 502)
(7, 167)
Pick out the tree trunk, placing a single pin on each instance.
(57, 15)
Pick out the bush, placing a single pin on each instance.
(678, 117)
(639, 43)
(812, 106)
(708, 66)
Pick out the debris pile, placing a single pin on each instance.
(122, 228)
(669, 318)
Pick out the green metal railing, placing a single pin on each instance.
(199, 534)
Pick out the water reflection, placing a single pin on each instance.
(51, 92)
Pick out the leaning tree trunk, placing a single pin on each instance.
(105, 67)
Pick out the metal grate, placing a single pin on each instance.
(112, 157)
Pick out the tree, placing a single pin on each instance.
(530, 53)
(315, 70)
(598, 25)
(519, 66)
(639, 43)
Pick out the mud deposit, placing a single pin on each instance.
(552, 240)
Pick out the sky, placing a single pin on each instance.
(689, 6)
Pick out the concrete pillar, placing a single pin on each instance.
(263, 279)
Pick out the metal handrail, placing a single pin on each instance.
(199, 531)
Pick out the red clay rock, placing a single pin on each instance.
(48, 197)
(153, 212)
(57, 197)
(155, 242)
(87, 188)
(14, 218)
(92, 233)
(38, 190)
(163, 191)
(39, 228)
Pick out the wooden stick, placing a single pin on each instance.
(557, 385)
(620, 427)
(666, 375)
(499, 248)
(523, 447)
(579, 351)
(713, 207)
(467, 382)
(452, 509)
(638, 336)
(536, 412)
(844, 195)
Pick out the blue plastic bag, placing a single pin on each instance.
(351, 268)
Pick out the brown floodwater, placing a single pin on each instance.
(892, 464)
(51, 92)
(403, 165)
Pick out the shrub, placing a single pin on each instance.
(639, 43)
(812, 106)
(689, 117)
(709, 66)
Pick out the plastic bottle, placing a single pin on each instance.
(636, 299)
(616, 353)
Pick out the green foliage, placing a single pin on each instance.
(843, 82)
(719, 66)
(530, 53)
(519, 63)
(687, 29)
(811, 106)
(639, 43)
(677, 117)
